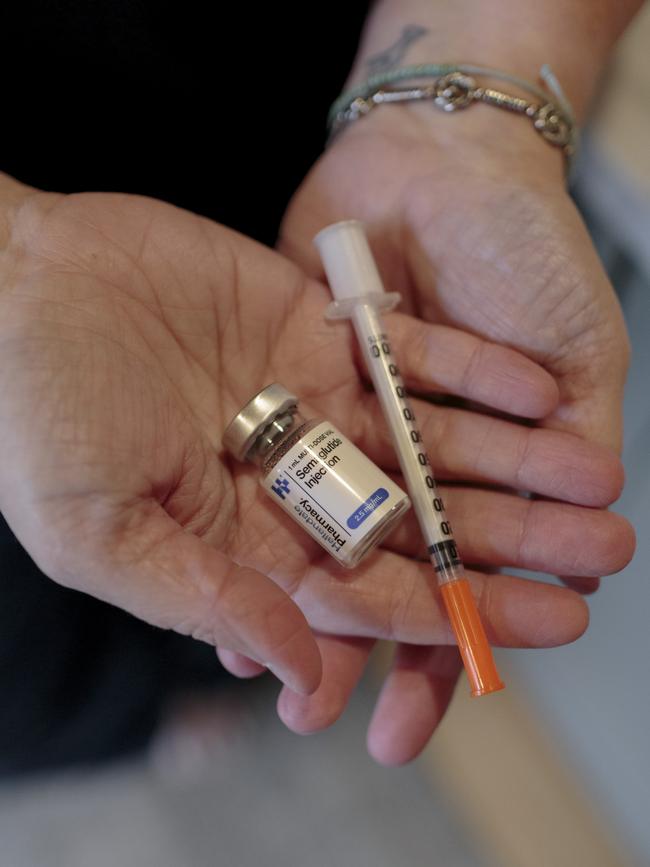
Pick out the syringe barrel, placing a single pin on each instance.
(359, 293)
(407, 439)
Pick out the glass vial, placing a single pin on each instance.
(329, 487)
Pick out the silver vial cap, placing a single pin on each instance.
(248, 424)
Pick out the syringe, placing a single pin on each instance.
(360, 295)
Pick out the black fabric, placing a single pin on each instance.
(217, 108)
(80, 681)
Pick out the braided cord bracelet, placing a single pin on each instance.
(454, 88)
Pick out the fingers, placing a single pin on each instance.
(479, 448)
(148, 565)
(238, 664)
(412, 702)
(392, 597)
(582, 585)
(440, 358)
(413, 699)
(497, 530)
(344, 660)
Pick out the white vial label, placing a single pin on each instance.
(335, 492)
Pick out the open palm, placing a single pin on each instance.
(476, 229)
(471, 222)
(130, 334)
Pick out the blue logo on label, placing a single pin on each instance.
(281, 487)
(367, 508)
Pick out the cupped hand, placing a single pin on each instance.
(470, 220)
(131, 332)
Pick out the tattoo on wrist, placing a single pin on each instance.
(394, 55)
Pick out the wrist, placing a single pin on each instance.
(477, 138)
(574, 37)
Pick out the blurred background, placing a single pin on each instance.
(555, 771)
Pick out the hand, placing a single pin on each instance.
(130, 334)
(475, 228)
(479, 233)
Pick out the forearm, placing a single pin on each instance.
(574, 36)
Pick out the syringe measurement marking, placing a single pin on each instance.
(445, 552)
(360, 296)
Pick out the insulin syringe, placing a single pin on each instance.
(360, 295)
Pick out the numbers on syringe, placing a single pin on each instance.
(416, 437)
(385, 348)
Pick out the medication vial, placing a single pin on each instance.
(316, 475)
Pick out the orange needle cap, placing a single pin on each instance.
(470, 635)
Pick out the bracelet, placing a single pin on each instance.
(454, 87)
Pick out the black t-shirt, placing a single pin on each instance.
(218, 107)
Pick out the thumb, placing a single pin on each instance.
(138, 558)
(591, 401)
